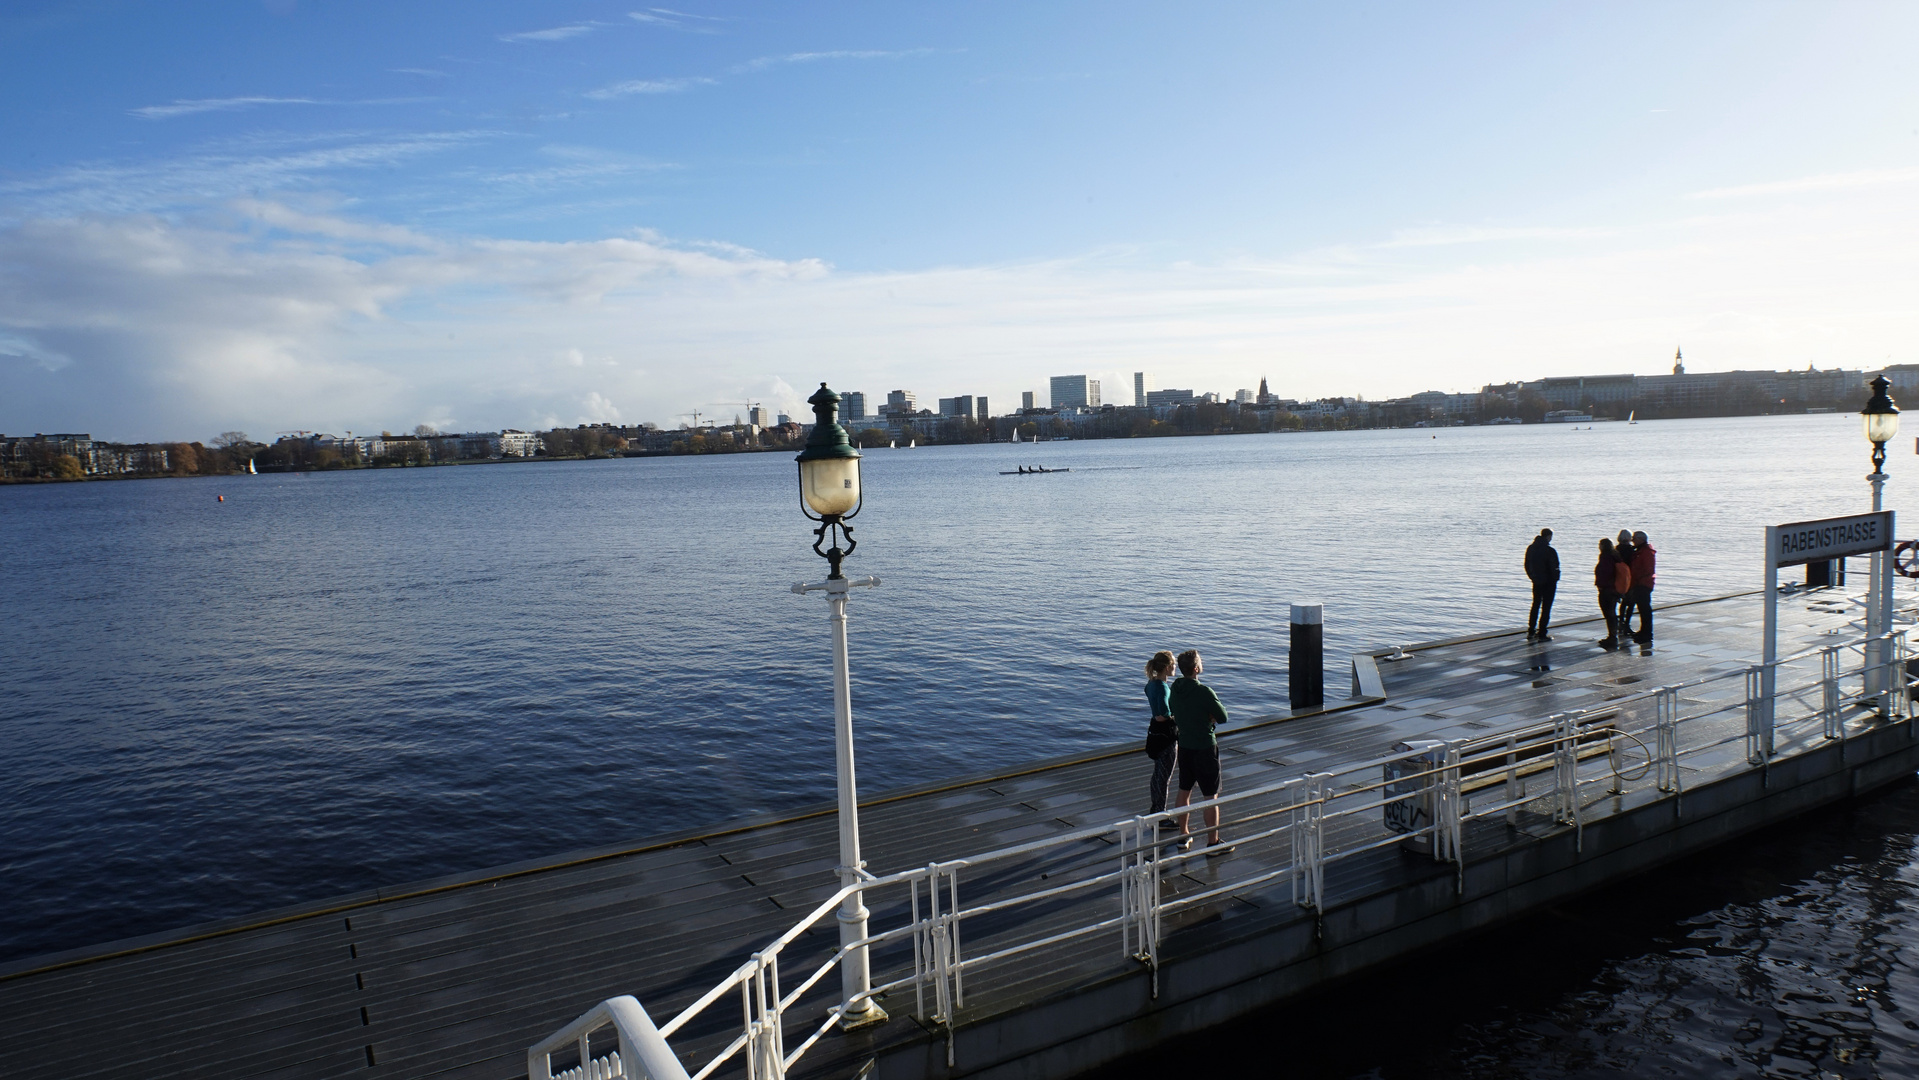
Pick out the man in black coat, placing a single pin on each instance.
(1542, 566)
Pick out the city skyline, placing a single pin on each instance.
(272, 216)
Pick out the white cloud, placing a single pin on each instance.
(276, 316)
(202, 105)
(556, 33)
(598, 410)
(649, 86)
(677, 20)
(218, 171)
(759, 63)
(1445, 235)
(1824, 182)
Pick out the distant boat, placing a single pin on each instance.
(912, 444)
(1505, 420)
(1032, 470)
(1015, 434)
(1630, 415)
(894, 445)
(251, 471)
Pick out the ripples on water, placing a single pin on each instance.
(333, 682)
(1784, 954)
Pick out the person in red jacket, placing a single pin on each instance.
(1643, 561)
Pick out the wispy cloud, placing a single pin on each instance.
(204, 105)
(649, 86)
(1823, 182)
(216, 172)
(232, 104)
(555, 33)
(760, 63)
(275, 314)
(677, 20)
(428, 72)
(1443, 235)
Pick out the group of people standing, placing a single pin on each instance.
(1181, 737)
(1625, 576)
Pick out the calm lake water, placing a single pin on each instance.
(336, 681)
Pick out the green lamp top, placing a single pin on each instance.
(828, 439)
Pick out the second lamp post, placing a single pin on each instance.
(830, 494)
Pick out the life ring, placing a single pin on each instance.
(1905, 558)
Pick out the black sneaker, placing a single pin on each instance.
(1544, 637)
(1607, 643)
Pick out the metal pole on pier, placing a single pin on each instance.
(1881, 418)
(830, 494)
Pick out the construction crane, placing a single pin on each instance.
(695, 414)
(750, 405)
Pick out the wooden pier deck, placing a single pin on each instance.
(454, 978)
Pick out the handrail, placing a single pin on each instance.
(1311, 822)
(643, 1052)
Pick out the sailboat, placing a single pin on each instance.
(251, 471)
(1630, 415)
(912, 443)
(893, 445)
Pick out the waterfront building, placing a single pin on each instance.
(900, 403)
(1244, 397)
(1026, 401)
(514, 443)
(852, 406)
(1144, 384)
(480, 444)
(961, 406)
(1075, 390)
(1606, 392)
(979, 408)
(1160, 398)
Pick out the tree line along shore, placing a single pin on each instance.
(70, 457)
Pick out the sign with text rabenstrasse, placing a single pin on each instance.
(1832, 538)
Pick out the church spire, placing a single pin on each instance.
(1678, 361)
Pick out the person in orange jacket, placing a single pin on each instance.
(1643, 562)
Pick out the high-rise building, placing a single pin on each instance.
(1075, 390)
(1243, 397)
(852, 405)
(1143, 384)
(957, 406)
(979, 408)
(901, 403)
(1157, 398)
(1026, 400)
(756, 415)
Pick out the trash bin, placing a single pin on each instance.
(1402, 776)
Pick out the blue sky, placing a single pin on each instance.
(354, 216)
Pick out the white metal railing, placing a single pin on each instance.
(1124, 878)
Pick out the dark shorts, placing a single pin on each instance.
(1199, 767)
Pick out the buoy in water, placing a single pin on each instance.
(222, 498)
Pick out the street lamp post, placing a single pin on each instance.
(1881, 418)
(830, 494)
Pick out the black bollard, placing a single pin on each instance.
(1306, 660)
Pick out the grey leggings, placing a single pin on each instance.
(1163, 777)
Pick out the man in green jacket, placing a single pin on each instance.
(1196, 712)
